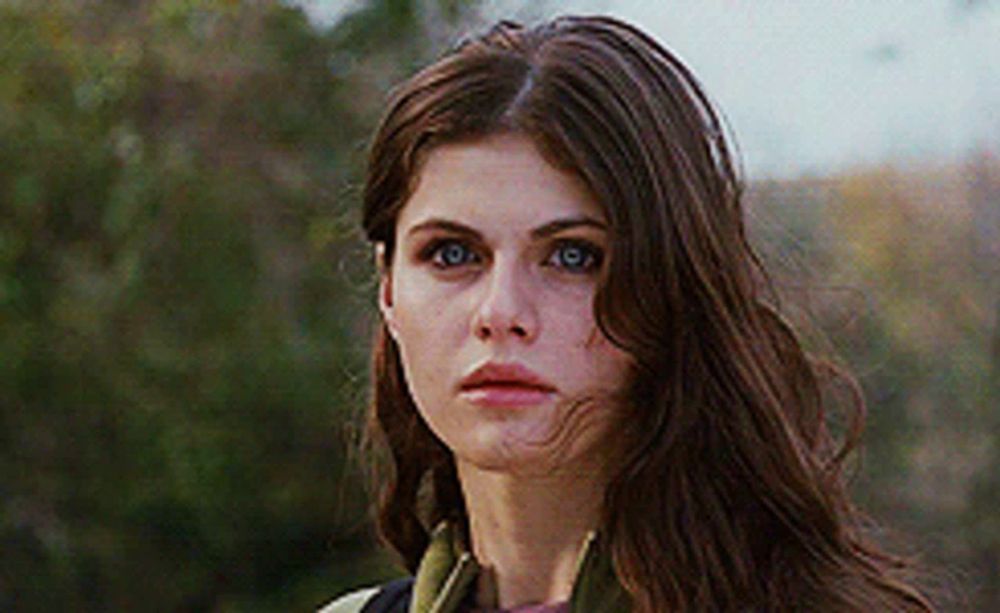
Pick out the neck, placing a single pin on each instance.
(528, 532)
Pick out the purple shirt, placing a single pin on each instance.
(559, 607)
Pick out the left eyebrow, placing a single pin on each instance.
(559, 225)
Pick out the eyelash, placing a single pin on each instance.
(593, 256)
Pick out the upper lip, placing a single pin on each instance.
(495, 373)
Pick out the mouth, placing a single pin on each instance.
(505, 385)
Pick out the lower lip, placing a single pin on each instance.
(512, 396)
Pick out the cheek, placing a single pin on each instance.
(411, 301)
(570, 321)
(424, 331)
(423, 311)
(607, 362)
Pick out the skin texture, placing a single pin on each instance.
(497, 260)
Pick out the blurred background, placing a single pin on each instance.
(185, 300)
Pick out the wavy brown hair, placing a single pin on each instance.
(731, 495)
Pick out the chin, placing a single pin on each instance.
(537, 441)
(496, 451)
(535, 453)
(510, 461)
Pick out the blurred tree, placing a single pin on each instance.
(179, 344)
(982, 518)
(901, 272)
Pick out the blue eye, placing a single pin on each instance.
(575, 256)
(450, 254)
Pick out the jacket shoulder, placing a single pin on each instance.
(352, 602)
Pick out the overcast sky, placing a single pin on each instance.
(816, 86)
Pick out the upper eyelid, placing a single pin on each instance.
(591, 247)
(595, 239)
(576, 240)
(433, 243)
(585, 243)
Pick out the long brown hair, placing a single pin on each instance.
(731, 494)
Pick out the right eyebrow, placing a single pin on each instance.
(437, 223)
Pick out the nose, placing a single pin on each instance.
(507, 309)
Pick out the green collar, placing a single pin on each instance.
(448, 570)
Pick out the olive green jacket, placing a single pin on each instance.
(448, 570)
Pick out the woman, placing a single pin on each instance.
(588, 398)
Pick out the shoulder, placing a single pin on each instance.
(351, 602)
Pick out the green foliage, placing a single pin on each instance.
(180, 296)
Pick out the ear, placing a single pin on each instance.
(385, 298)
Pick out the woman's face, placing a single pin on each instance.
(490, 299)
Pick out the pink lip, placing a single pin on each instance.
(505, 385)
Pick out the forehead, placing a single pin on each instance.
(501, 181)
